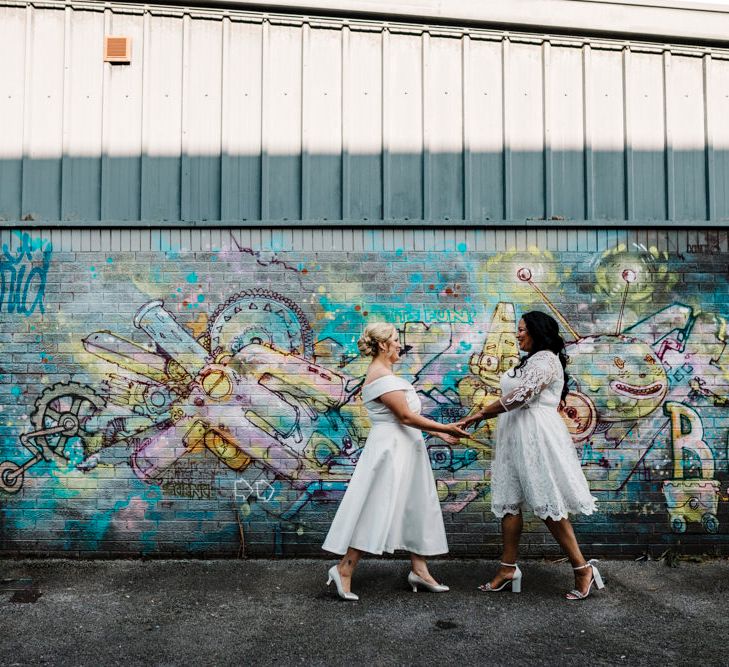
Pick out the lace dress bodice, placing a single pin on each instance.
(535, 463)
(536, 384)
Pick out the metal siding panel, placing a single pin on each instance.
(359, 241)
(81, 177)
(483, 123)
(567, 133)
(403, 98)
(241, 140)
(12, 55)
(55, 236)
(686, 103)
(428, 239)
(96, 240)
(322, 125)
(202, 116)
(121, 166)
(443, 121)
(282, 122)
(418, 240)
(526, 136)
(718, 102)
(589, 182)
(605, 92)
(162, 118)
(44, 117)
(647, 132)
(186, 236)
(443, 118)
(362, 125)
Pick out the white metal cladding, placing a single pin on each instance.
(675, 241)
(659, 19)
(234, 116)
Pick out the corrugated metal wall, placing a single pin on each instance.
(674, 241)
(226, 116)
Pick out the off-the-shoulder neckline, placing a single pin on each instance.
(382, 377)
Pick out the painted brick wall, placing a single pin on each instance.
(172, 400)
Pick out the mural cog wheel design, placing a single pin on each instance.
(710, 523)
(260, 316)
(11, 477)
(678, 524)
(65, 404)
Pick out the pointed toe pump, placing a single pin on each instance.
(334, 576)
(417, 582)
(514, 583)
(596, 579)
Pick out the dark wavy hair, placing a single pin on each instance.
(545, 335)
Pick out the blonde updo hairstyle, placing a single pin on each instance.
(373, 335)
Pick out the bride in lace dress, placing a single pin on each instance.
(535, 464)
(391, 501)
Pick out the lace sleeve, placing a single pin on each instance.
(534, 376)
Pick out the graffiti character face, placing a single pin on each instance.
(620, 374)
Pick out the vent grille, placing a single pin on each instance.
(117, 49)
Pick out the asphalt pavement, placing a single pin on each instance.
(279, 612)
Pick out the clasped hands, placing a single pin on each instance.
(457, 430)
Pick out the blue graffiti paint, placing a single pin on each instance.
(23, 275)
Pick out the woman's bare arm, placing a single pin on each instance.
(398, 405)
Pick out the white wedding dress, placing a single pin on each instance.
(535, 463)
(391, 501)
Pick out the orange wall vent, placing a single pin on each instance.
(117, 49)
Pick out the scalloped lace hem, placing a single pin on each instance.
(554, 512)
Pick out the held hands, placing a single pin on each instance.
(453, 433)
(456, 431)
(475, 418)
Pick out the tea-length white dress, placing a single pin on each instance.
(535, 463)
(391, 501)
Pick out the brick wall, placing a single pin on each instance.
(204, 400)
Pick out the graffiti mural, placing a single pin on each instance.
(23, 273)
(188, 401)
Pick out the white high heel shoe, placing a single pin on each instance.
(334, 576)
(596, 579)
(514, 582)
(414, 580)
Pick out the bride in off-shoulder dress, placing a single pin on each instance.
(391, 502)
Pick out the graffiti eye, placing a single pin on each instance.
(489, 362)
(649, 360)
(619, 362)
(509, 362)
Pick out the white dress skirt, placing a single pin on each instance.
(535, 464)
(391, 501)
